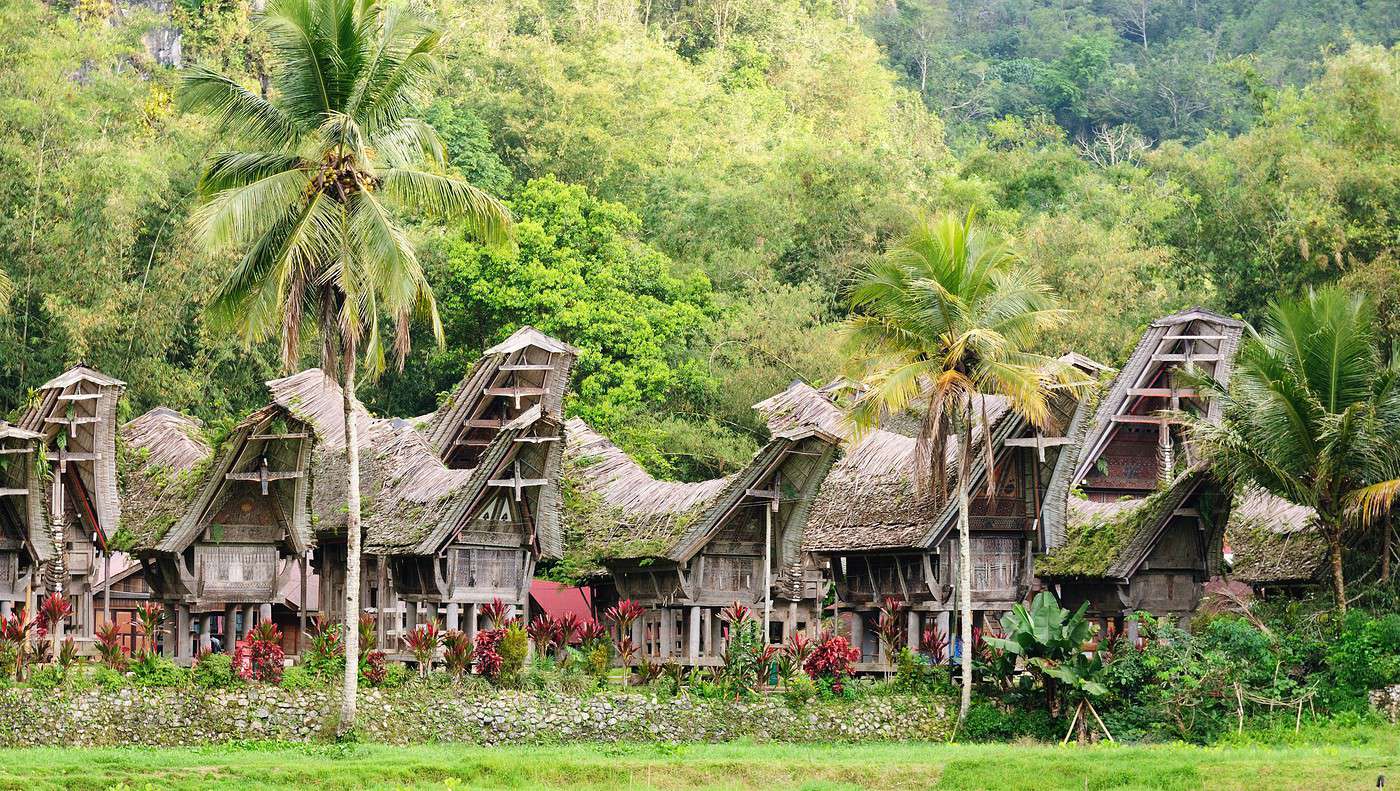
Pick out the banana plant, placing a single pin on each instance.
(1049, 640)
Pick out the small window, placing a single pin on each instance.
(775, 632)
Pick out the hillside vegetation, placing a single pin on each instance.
(693, 182)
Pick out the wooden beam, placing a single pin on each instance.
(473, 442)
(79, 396)
(1181, 358)
(13, 451)
(14, 492)
(517, 482)
(292, 435)
(1193, 337)
(537, 440)
(484, 422)
(1166, 392)
(72, 421)
(1153, 420)
(527, 367)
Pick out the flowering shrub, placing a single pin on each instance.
(260, 657)
(488, 655)
(423, 642)
(458, 653)
(934, 643)
(832, 659)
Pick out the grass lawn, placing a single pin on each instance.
(1350, 760)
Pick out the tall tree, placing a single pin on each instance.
(946, 318)
(307, 194)
(1311, 413)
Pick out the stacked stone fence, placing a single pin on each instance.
(175, 717)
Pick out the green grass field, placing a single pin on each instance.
(1351, 760)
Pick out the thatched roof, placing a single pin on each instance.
(163, 463)
(615, 510)
(411, 499)
(1160, 337)
(1273, 541)
(1108, 540)
(869, 501)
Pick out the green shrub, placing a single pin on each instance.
(109, 679)
(514, 646)
(599, 660)
(987, 722)
(152, 670)
(45, 677)
(396, 675)
(298, 677)
(914, 674)
(1365, 655)
(799, 691)
(213, 671)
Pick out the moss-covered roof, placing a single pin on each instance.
(1272, 540)
(163, 461)
(1105, 539)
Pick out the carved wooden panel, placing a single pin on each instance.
(233, 572)
(729, 573)
(996, 563)
(9, 570)
(483, 568)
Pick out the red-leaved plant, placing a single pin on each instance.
(260, 657)
(488, 655)
(54, 610)
(149, 615)
(542, 630)
(14, 637)
(369, 634)
(376, 668)
(458, 653)
(566, 630)
(497, 613)
(934, 643)
(832, 658)
(590, 633)
(109, 646)
(423, 642)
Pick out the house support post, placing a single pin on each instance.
(247, 621)
(6, 607)
(472, 620)
(264, 612)
(943, 624)
(230, 627)
(301, 603)
(206, 634)
(381, 601)
(668, 627)
(639, 629)
(172, 631)
(767, 569)
(692, 654)
(912, 628)
(454, 616)
(182, 632)
(107, 587)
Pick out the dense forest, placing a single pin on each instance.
(693, 182)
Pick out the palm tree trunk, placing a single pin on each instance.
(1334, 552)
(352, 548)
(964, 573)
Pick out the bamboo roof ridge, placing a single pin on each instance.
(167, 438)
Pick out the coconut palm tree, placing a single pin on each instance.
(946, 318)
(1312, 415)
(309, 194)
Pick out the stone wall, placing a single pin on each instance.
(423, 714)
(1387, 702)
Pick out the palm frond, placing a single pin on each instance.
(238, 216)
(237, 109)
(447, 197)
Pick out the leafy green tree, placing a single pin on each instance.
(946, 318)
(307, 195)
(1311, 412)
